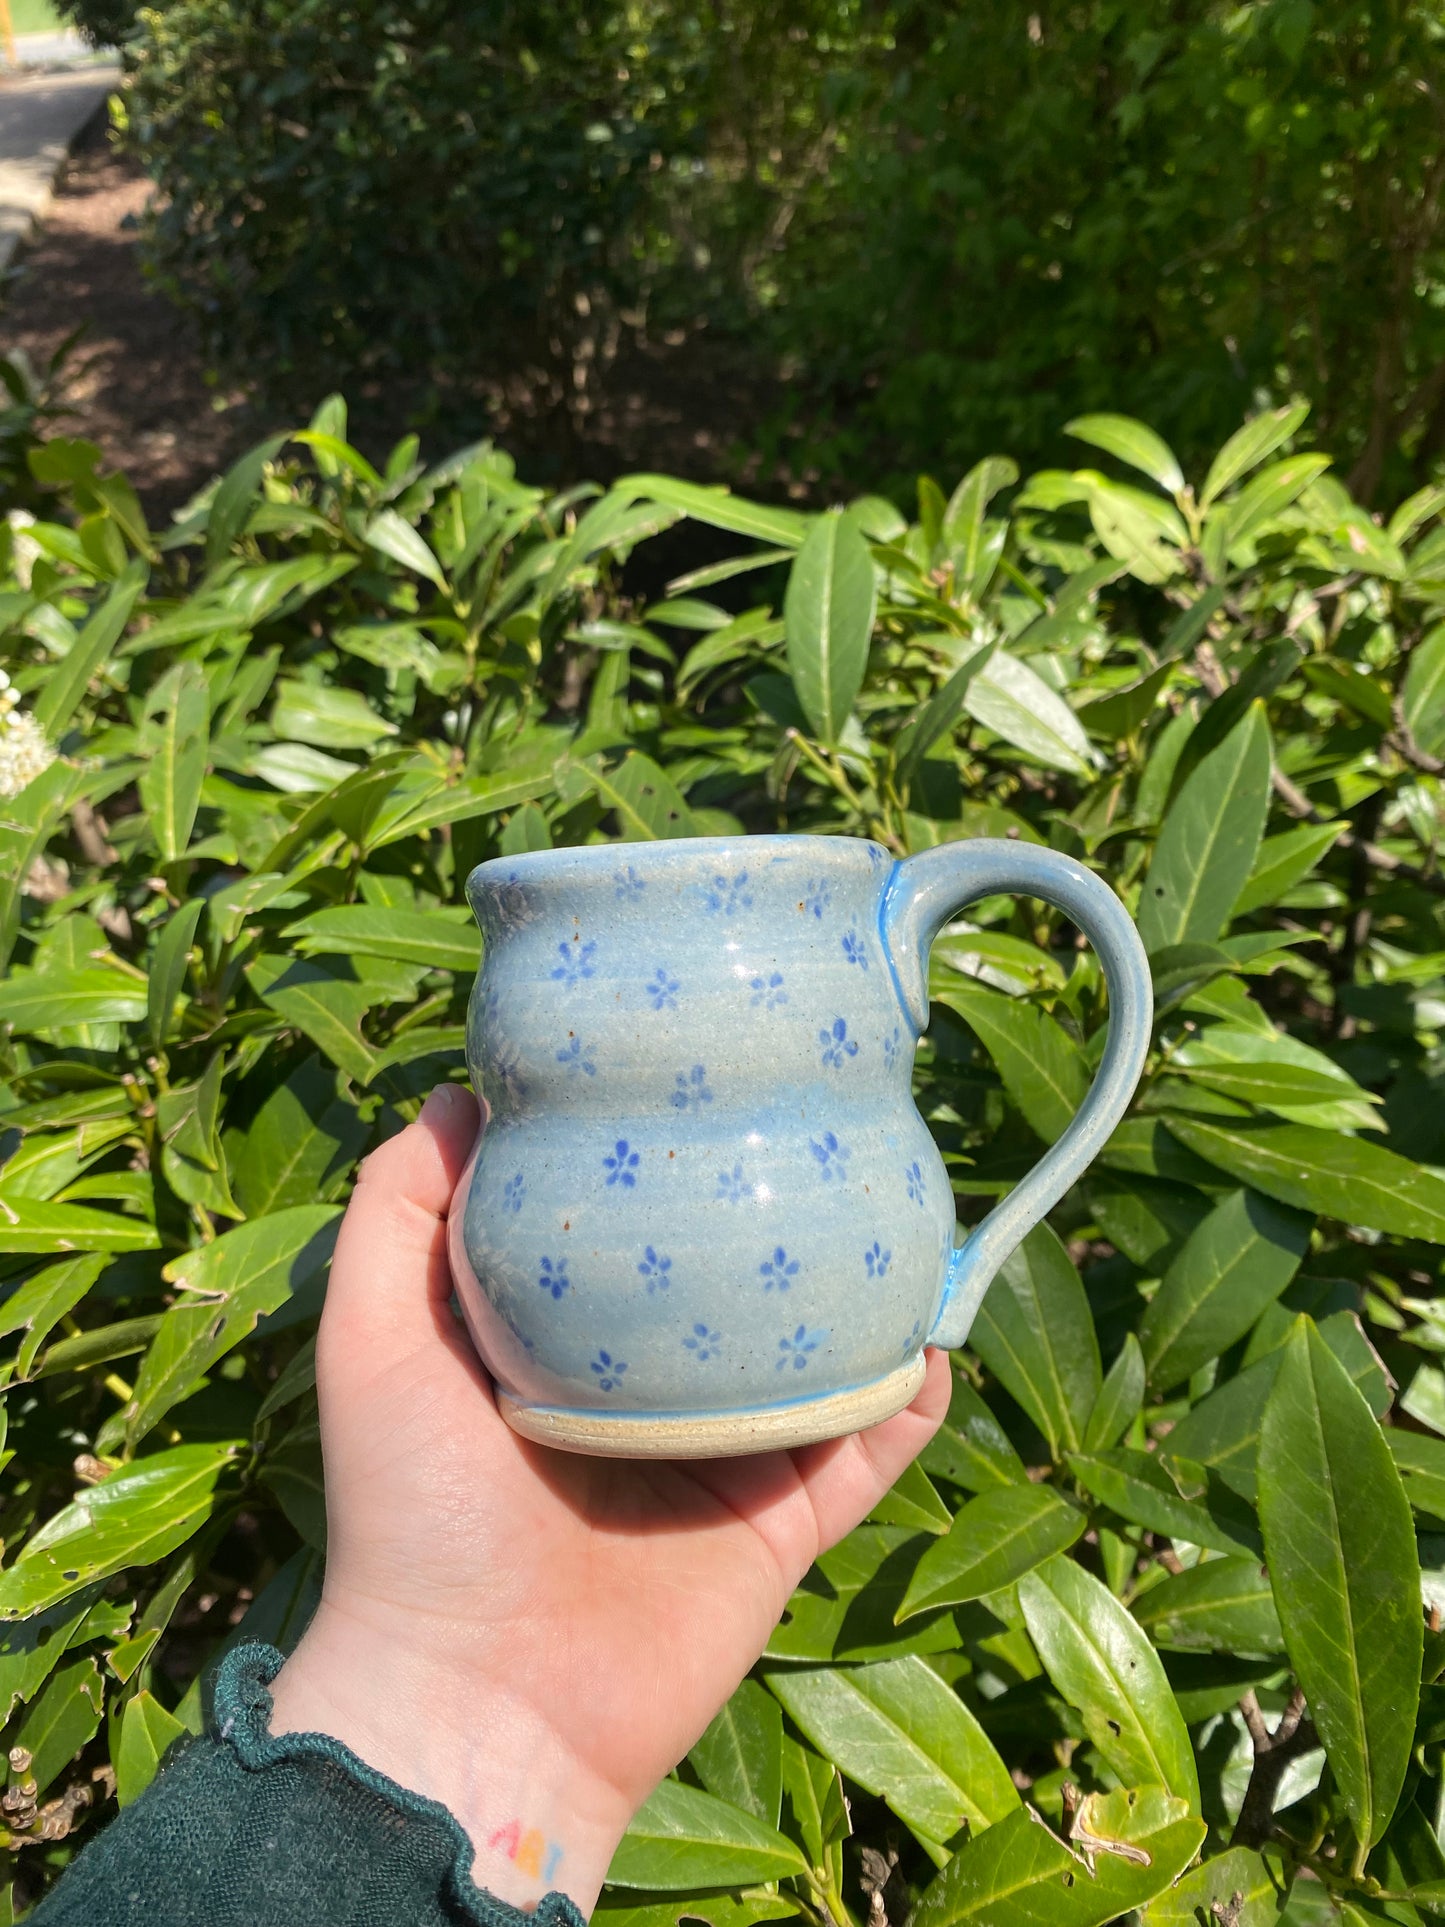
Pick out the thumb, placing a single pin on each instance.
(390, 1276)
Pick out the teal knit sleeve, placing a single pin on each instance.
(241, 1829)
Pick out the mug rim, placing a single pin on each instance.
(515, 869)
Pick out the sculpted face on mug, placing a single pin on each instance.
(705, 1215)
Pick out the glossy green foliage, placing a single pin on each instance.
(1192, 1480)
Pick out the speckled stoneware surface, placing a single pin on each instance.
(705, 1216)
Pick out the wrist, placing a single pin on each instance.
(539, 1820)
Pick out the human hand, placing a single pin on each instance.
(533, 1639)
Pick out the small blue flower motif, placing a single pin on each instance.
(627, 885)
(910, 1343)
(799, 1348)
(779, 1271)
(877, 1260)
(891, 1046)
(817, 895)
(554, 1277)
(703, 1344)
(768, 990)
(577, 1056)
(691, 1089)
(655, 1269)
(914, 1175)
(575, 965)
(725, 896)
(831, 1156)
(732, 1185)
(621, 1164)
(663, 989)
(853, 949)
(513, 1192)
(506, 1067)
(837, 1045)
(609, 1371)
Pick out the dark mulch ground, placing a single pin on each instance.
(141, 385)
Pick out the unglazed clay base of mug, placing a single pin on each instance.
(724, 1435)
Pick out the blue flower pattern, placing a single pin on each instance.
(620, 1164)
(725, 896)
(853, 949)
(656, 1270)
(797, 1350)
(817, 895)
(663, 989)
(577, 1056)
(831, 1156)
(877, 1260)
(553, 1277)
(916, 1186)
(910, 1343)
(778, 1271)
(609, 1371)
(768, 990)
(692, 1091)
(891, 1046)
(576, 963)
(627, 885)
(703, 1344)
(837, 1045)
(732, 1185)
(513, 1192)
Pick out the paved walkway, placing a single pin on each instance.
(43, 107)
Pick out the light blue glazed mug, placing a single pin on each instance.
(705, 1216)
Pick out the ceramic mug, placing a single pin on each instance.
(705, 1216)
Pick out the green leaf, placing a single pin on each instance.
(971, 1448)
(64, 687)
(1247, 447)
(1218, 1606)
(646, 800)
(719, 1908)
(740, 1756)
(1019, 1874)
(720, 509)
(900, 1732)
(964, 526)
(1243, 1886)
(1135, 527)
(436, 938)
(389, 535)
(1345, 1178)
(938, 714)
(1146, 1218)
(59, 1723)
(844, 1609)
(38, 1305)
(1042, 1068)
(1099, 1659)
(1282, 862)
(173, 743)
(326, 717)
(1341, 1553)
(228, 1284)
(31, 1649)
(30, 1225)
(169, 964)
(1422, 696)
(829, 607)
(416, 808)
(1035, 1333)
(1234, 1264)
(683, 1838)
(324, 999)
(1209, 840)
(1264, 1067)
(146, 1730)
(238, 490)
(41, 1000)
(1167, 1495)
(1133, 443)
(994, 1540)
(136, 1516)
(1261, 500)
(912, 1501)
(302, 1145)
(1120, 1400)
(1012, 700)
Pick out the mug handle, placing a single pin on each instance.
(923, 892)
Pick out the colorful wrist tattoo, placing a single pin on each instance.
(530, 1852)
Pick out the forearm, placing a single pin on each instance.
(257, 1829)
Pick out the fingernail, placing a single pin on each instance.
(439, 1105)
